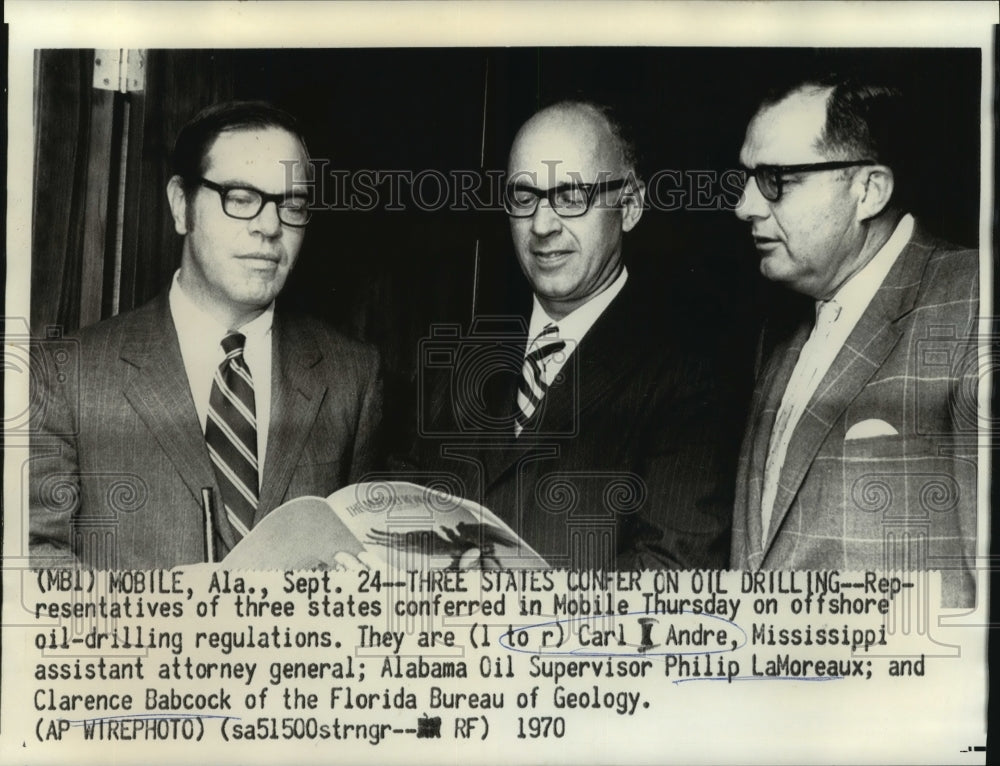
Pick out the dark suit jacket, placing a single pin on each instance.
(118, 459)
(904, 501)
(625, 463)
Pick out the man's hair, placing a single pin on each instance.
(195, 139)
(863, 120)
(620, 133)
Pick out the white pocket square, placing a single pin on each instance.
(868, 429)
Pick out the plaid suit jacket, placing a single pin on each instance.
(898, 502)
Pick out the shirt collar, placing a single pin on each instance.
(576, 324)
(861, 287)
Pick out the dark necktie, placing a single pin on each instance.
(231, 435)
(531, 387)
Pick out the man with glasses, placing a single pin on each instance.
(598, 439)
(860, 451)
(189, 419)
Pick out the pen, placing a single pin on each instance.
(208, 509)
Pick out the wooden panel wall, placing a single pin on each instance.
(80, 136)
(64, 103)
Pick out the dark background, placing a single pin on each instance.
(387, 276)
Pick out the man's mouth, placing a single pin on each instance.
(268, 257)
(765, 243)
(549, 255)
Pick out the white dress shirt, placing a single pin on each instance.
(200, 337)
(843, 311)
(572, 327)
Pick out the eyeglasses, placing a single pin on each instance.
(770, 177)
(568, 200)
(245, 203)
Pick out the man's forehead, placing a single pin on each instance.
(562, 148)
(254, 151)
(787, 133)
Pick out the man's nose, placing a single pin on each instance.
(266, 222)
(752, 203)
(545, 220)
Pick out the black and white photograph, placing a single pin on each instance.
(626, 389)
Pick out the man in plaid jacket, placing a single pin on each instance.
(860, 448)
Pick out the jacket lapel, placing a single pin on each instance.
(608, 351)
(296, 395)
(771, 388)
(867, 347)
(501, 448)
(161, 395)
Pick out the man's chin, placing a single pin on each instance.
(775, 268)
(551, 290)
(789, 280)
(258, 297)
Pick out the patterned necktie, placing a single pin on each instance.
(532, 386)
(800, 389)
(231, 435)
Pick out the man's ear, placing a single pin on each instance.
(633, 201)
(178, 204)
(877, 184)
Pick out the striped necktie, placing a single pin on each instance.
(532, 386)
(231, 435)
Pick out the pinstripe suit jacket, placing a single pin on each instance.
(905, 501)
(118, 459)
(624, 464)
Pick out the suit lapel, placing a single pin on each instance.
(161, 395)
(608, 351)
(296, 395)
(502, 449)
(771, 388)
(867, 347)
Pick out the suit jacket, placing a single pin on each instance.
(118, 460)
(624, 464)
(905, 501)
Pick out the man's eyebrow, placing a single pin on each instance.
(235, 183)
(557, 187)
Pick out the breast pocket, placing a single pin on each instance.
(894, 447)
(903, 494)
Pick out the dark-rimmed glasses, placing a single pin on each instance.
(770, 177)
(568, 200)
(245, 203)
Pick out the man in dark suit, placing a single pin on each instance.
(860, 451)
(589, 428)
(169, 431)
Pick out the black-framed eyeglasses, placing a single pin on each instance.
(245, 203)
(771, 177)
(568, 200)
